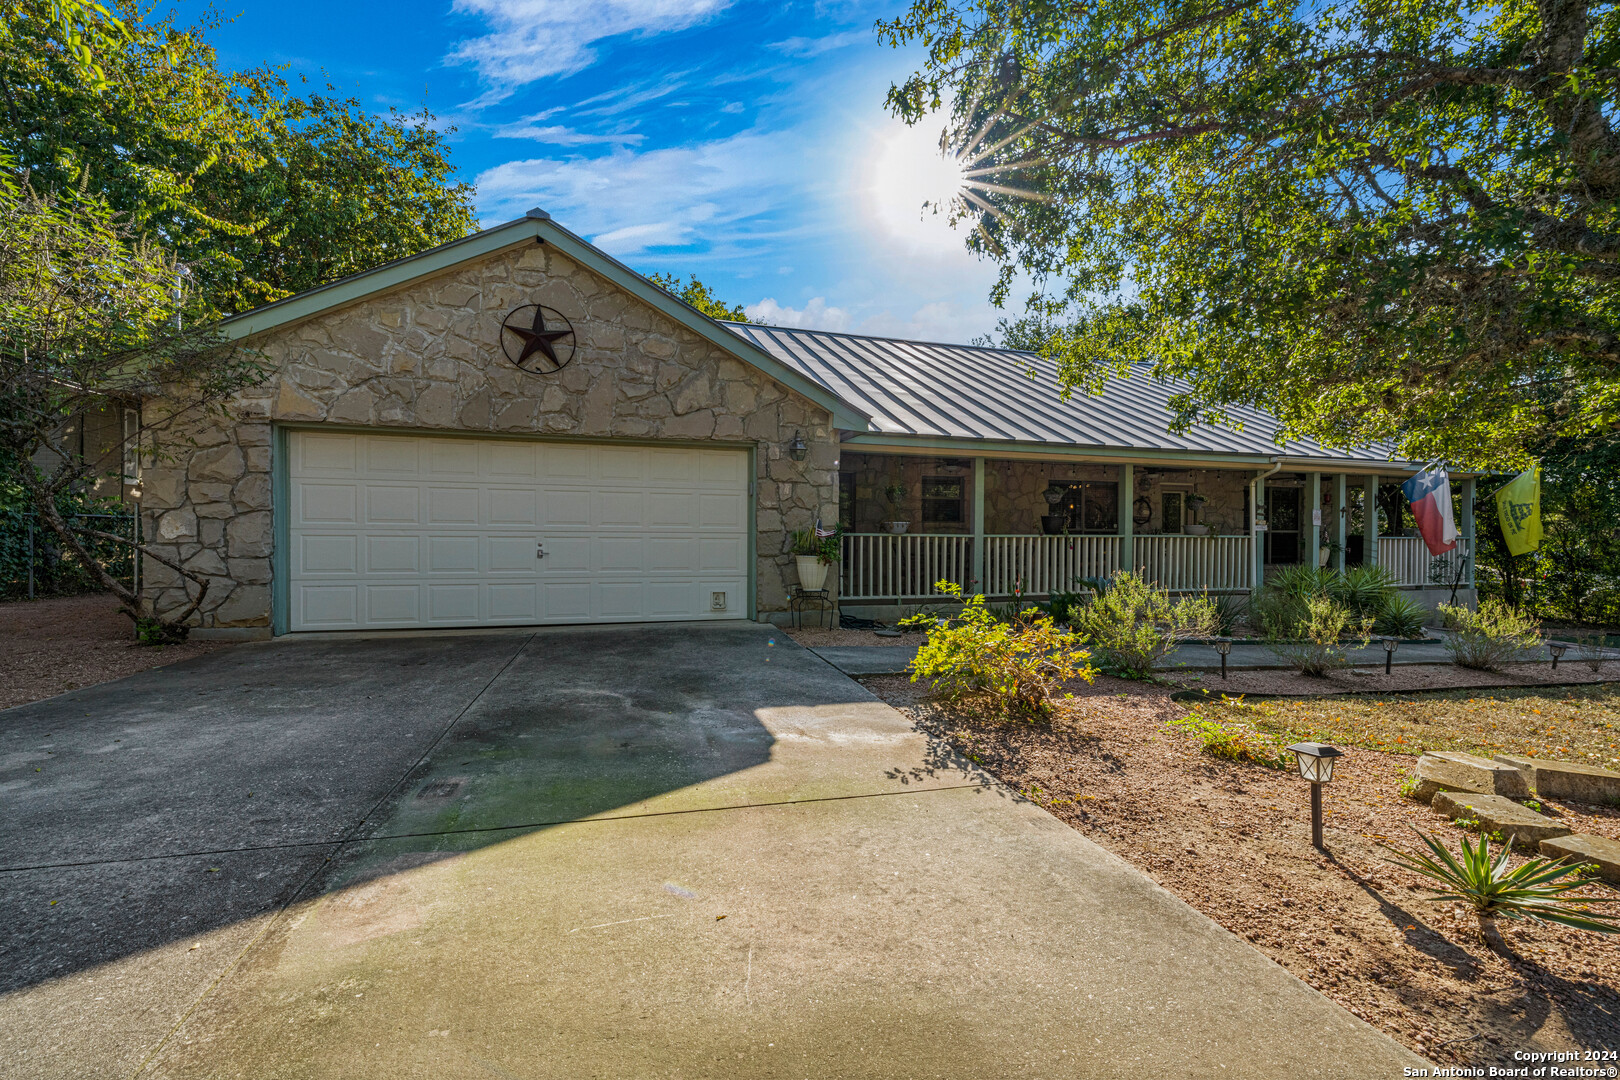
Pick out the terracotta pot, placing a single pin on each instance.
(812, 573)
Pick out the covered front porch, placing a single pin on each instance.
(1034, 525)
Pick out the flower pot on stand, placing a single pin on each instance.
(1051, 524)
(812, 573)
(897, 527)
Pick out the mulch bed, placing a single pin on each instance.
(48, 647)
(1233, 840)
(1402, 678)
(812, 637)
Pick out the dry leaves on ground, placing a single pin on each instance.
(1233, 840)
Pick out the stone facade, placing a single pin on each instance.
(428, 357)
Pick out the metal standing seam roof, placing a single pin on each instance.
(933, 390)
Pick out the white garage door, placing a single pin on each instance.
(418, 531)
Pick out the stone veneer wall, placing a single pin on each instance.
(427, 357)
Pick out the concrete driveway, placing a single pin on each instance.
(617, 852)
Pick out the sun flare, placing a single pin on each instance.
(912, 185)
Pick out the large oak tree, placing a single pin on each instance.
(1375, 219)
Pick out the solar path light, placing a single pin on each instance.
(1557, 648)
(1389, 652)
(1223, 646)
(1316, 765)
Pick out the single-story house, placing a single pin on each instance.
(516, 429)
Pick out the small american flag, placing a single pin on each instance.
(822, 534)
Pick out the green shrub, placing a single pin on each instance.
(1402, 617)
(1061, 606)
(1365, 590)
(1021, 663)
(1489, 637)
(1131, 625)
(1234, 741)
(824, 548)
(1311, 643)
(1230, 609)
(1536, 889)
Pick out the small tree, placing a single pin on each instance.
(90, 318)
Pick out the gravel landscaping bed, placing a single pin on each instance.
(48, 647)
(1233, 840)
(1402, 678)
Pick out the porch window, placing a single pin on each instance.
(1170, 512)
(846, 500)
(1092, 507)
(942, 500)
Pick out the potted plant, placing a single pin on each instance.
(895, 494)
(1053, 522)
(813, 554)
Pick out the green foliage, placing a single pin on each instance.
(1230, 609)
(1409, 786)
(1311, 642)
(1020, 664)
(1234, 741)
(699, 295)
(824, 548)
(1490, 636)
(1061, 606)
(1373, 221)
(258, 190)
(1131, 625)
(1537, 889)
(1401, 616)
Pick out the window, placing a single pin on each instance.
(1170, 505)
(942, 500)
(846, 500)
(1092, 507)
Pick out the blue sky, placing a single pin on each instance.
(746, 143)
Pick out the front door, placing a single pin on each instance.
(1282, 521)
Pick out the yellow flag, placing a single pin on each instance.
(1518, 505)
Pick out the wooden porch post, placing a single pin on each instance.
(1466, 526)
(978, 525)
(1369, 521)
(1256, 512)
(1313, 555)
(1127, 522)
(1341, 522)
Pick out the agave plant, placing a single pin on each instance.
(1401, 616)
(1533, 890)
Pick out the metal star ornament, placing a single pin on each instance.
(538, 339)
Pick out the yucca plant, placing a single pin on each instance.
(1533, 890)
(1401, 616)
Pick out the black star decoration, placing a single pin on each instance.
(537, 339)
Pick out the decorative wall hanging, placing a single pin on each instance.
(538, 339)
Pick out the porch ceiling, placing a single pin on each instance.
(962, 398)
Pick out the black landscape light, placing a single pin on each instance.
(1316, 765)
(1557, 648)
(1223, 646)
(797, 449)
(1389, 652)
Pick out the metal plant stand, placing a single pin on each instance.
(819, 600)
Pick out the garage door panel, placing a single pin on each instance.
(318, 554)
(334, 504)
(453, 604)
(564, 507)
(452, 505)
(393, 504)
(512, 555)
(393, 554)
(397, 531)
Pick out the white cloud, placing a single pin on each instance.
(805, 47)
(815, 315)
(712, 194)
(533, 39)
(565, 136)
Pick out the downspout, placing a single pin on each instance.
(1258, 556)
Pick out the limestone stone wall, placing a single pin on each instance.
(428, 357)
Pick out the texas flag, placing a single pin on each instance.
(1429, 492)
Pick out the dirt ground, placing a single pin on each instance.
(1408, 677)
(1233, 840)
(813, 637)
(49, 647)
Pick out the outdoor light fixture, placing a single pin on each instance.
(1223, 645)
(1557, 648)
(1316, 765)
(1389, 653)
(797, 448)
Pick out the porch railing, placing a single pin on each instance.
(882, 566)
(1196, 563)
(1408, 558)
(1040, 565)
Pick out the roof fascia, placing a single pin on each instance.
(528, 229)
(912, 444)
